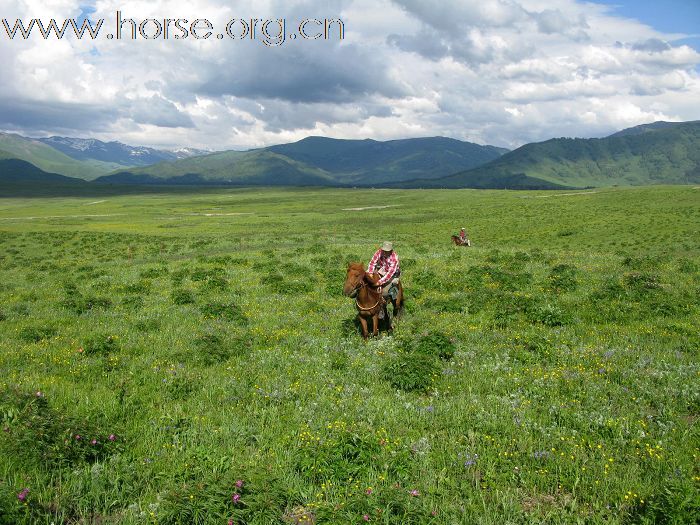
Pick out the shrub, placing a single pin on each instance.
(641, 283)
(154, 273)
(562, 278)
(100, 345)
(181, 296)
(225, 311)
(412, 371)
(436, 344)
(39, 434)
(214, 349)
(549, 315)
(218, 284)
(35, 334)
(133, 301)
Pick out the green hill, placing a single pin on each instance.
(256, 167)
(19, 171)
(318, 161)
(51, 160)
(651, 154)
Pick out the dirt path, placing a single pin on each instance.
(371, 207)
(60, 216)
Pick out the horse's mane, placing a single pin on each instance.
(360, 269)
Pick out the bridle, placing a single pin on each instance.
(356, 291)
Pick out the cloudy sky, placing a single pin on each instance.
(502, 72)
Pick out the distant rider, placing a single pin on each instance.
(463, 237)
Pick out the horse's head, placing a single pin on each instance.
(354, 279)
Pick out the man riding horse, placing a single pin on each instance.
(385, 262)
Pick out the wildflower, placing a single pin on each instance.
(112, 437)
(78, 437)
(239, 483)
(40, 394)
(365, 517)
(235, 497)
(230, 522)
(368, 491)
(415, 493)
(22, 496)
(93, 442)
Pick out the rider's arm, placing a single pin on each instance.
(373, 263)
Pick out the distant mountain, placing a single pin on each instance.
(116, 152)
(371, 162)
(646, 128)
(661, 153)
(51, 160)
(319, 161)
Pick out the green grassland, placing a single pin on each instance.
(187, 356)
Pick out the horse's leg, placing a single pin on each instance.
(375, 325)
(398, 303)
(363, 322)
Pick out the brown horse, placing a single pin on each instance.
(368, 298)
(460, 242)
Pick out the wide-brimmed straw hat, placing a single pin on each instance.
(387, 246)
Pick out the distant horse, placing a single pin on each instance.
(459, 242)
(368, 298)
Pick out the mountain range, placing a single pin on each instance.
(658, 153)
(85, 159)
(655, 153)
(320, 161)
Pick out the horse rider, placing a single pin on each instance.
(463, 237)
(385, 262)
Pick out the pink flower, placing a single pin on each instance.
(40, 394)
(236, 497)
(239, 483)
(112, 437)
(365, 517)
(368, 491)
(22, 496)
(230, 522)
(78, 437)
(415, 493)
(93, 442)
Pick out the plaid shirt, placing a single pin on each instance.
(385, 266)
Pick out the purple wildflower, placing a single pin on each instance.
(22, 496)
(415, 493)
(78, 437)
(112, 437)
(93, 442)
(239, 483)
(236, 497)
(365, 517)
(471, 460)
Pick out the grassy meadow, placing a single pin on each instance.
(188, 357)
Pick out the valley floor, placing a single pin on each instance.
(188, 357)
